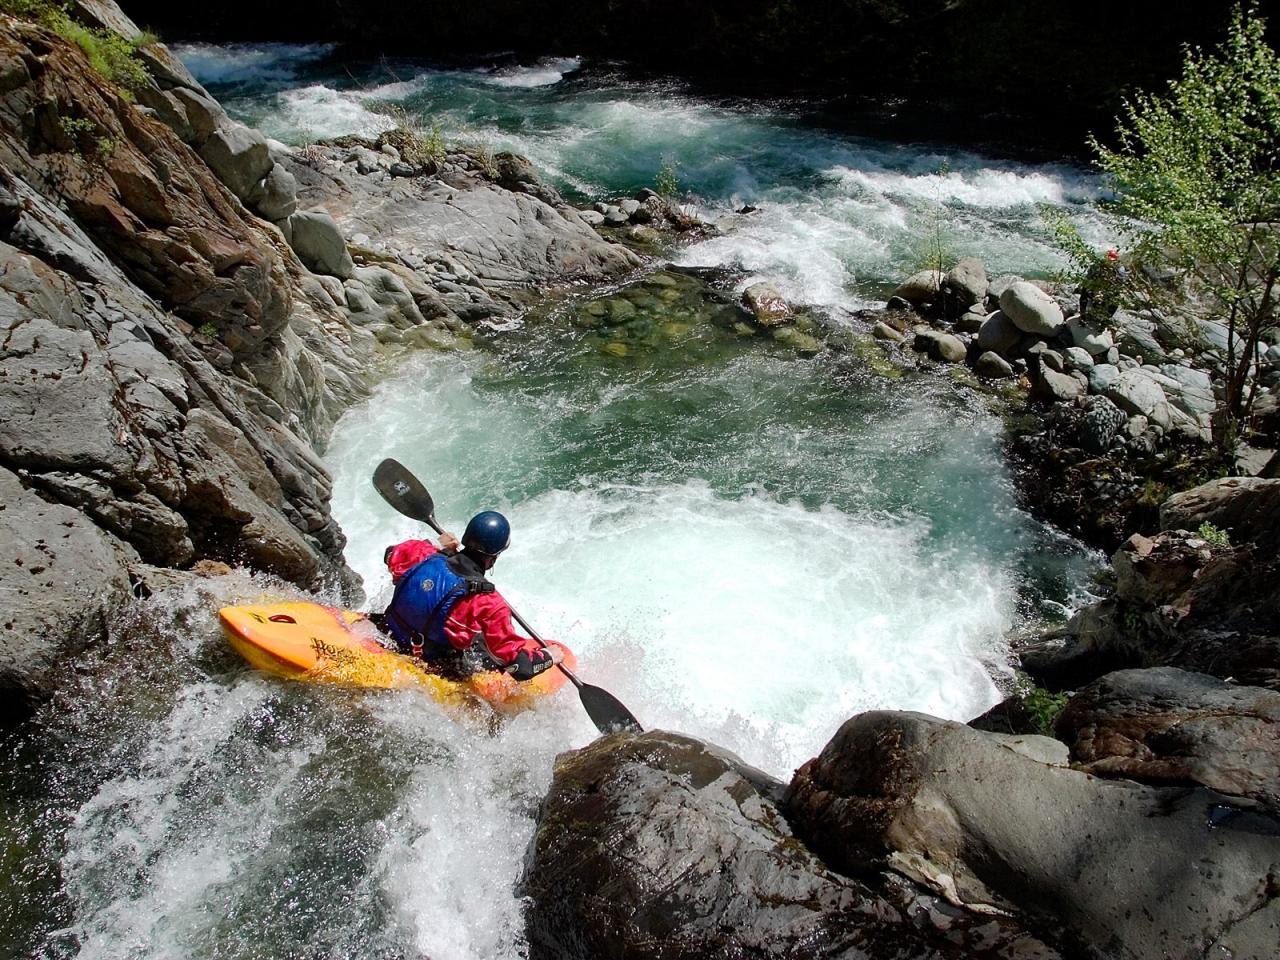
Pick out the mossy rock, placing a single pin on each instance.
(799, 341)
(674, 330)
(744, 329)
(663, 280)
(615, 348)
(669, 295)
(596, 308)
(621, 310)
(867, 349)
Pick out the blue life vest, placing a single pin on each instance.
(422, 602)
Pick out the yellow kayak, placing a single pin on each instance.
(309, 641)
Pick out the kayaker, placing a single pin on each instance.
(446, 612)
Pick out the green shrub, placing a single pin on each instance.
(666, 181)
(1042, 706)
(419, 145)
(113, 56)
(1214, 536)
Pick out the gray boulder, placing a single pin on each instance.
(998, 333)
(992, 366)
(239, 156)
(1168, 726)
(661, 846)
(1031, 309)
(1077, 358)
(966, 283)
(1109, 870)
(1101, 376)
(61, 578)
(276, 196)
(940, 346)
(1136, 336)
(921, 287)
(318, 243)
(1058, 387)
(1088, 337)
(1136, 393)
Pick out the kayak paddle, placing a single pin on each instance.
(407, 495)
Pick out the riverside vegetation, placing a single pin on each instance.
(187, 315)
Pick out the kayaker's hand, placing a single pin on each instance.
(449, 543)
(529, 663)
(557, 654)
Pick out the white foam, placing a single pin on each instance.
(319, 112)
(544, 73)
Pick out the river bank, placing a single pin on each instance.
(673, 436)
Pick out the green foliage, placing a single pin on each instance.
(110, 54)
(207, 329)
(83, 133)
(484, 158)
(1042, 706)
(934, 249)
(666, 182)
(419, 145)
(1214, 536)
(113, 56)
(1197, 181)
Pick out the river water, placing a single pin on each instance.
(740, 542)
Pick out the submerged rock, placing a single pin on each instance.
(662, 846)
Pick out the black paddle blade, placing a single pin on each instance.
(607, 712)
(405, 492)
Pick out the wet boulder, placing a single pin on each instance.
(662, 846)
(1099, 868)
(1169, 726)
(61, 577)
(767, 305)
(318, 243)
(998, 334)
(940, 346)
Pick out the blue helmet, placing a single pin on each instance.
(487, 533)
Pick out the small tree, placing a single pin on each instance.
(1196, 173)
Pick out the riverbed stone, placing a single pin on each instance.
(921, 287)
(882, 331)
(1088, 337)
(1032, 310)
(1101, 376)
(767, 305)
(1057, 387)
(966, 283)
(991, 366)
(940, 346)
(970, 321)
(1105, 868)
(998, 333)
(276, 196)
(1135, 392)
(1077, 358)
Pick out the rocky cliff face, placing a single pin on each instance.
(169, 367)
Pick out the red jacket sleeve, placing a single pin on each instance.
(403, 557)
(489, 615)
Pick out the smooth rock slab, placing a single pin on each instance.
(1109, 870)
(61, 578)
(1169, 726)
(1247, 507)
